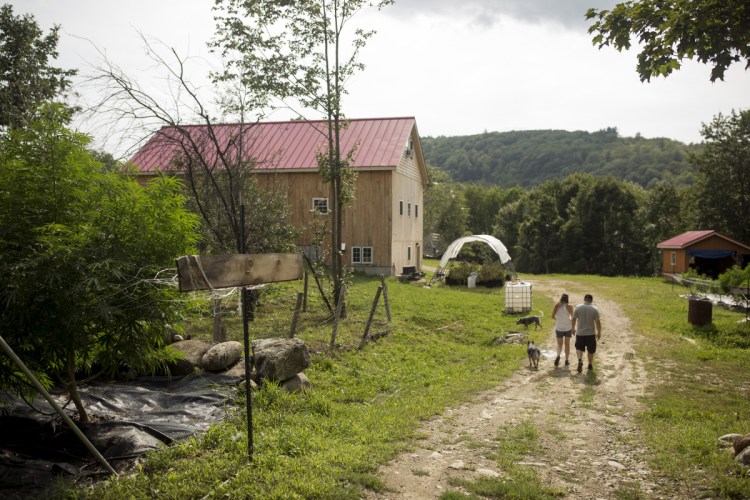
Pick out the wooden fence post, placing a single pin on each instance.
(218, 333)
(336, 314)
(369, 320)
(295, 316)
(304, 302)
(386, 301)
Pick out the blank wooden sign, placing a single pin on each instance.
(196, 272)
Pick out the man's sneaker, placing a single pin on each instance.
(580, 366)
(567, 363)
(591, 367)
(557, 361)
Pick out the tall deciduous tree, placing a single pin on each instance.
(663, 216)
(722, 188)
(604, 232)
(303, 50)
(217, 170)
(79, 250)
(715, 32)
(27, 78)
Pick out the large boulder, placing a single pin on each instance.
(192, 355)
(743, 457)
(727, 440)
(222, 356)
(741, 443)
(279, 359)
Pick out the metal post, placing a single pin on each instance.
(54, 404)
(246, 338)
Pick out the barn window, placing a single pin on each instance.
(361, 255)
(320, 205)
(416, 211)
(401, 207)
(409, 150)
(674, 258)
(408, 209)
(408, 254)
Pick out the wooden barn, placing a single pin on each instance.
(382, 230)
(707, 252)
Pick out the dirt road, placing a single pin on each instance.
(585, 421)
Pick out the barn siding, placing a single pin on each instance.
(366, 223)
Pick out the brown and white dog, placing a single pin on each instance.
(534, 354)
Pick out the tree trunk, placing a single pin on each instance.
(73, 389)
(218, 333)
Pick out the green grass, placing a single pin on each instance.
(366, 405)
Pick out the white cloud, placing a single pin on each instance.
(486, 65)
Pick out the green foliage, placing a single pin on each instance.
(81, 249)
(734, 277)
(721, 197)
(28, 79)
(529, 158)
(580, 224)
(217, 196)
(714, 32)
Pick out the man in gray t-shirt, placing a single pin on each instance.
(586, 317)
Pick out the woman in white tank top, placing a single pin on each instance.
(563, 315)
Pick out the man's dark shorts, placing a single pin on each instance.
(560, 334)
(586, 343)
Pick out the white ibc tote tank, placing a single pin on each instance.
(517, 297)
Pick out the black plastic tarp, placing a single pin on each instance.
(127, 420)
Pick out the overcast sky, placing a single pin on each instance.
(460, 67)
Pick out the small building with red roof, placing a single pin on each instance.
(382, 230)
(707, 252)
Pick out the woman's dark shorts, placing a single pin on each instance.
(587, 342)
(560, 334)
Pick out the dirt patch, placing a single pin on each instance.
(589, 439)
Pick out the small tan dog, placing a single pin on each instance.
(534, 354)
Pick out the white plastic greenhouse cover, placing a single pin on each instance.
(493, 242)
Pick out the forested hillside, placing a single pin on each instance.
(528, 158)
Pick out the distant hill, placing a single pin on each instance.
(528, 158)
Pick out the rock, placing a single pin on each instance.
(458, 465)
(728, 439)
(743, 458)
(741, 443)
(237, 369)
(192, 354)
(296, 383)
(279, 359)
(487, 472)
(177, 338)
(222, 356)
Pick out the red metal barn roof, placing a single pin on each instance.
(685, 239)
(289, 145)
(689, 238)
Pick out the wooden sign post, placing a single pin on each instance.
(195, 272)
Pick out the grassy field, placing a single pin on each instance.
(365, 405)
